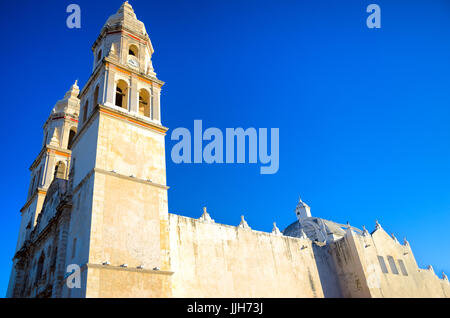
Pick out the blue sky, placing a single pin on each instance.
(363, 113)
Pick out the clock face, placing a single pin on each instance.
(133, 62)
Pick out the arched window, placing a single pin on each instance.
(96, 95)
(72, 134)
(122, 94)
(144, 103)
(40, 267)
(133, 50)
(85, 111)
(60, 170)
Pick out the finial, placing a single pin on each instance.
(54, 141)
(275, 229)
(74, 87)
(243, 223)
(394, 238)
(430, 268)
(365, 232)
(405, 242)
(444, 277)
(206, 217)
(377, 225)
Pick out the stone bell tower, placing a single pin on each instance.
(118, 230)
(53, 161)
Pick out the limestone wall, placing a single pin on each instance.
(359, 262)
(116, 282)
(215, 260)
(129, 148)
(128, 211)
(85, 149)
(349, 269)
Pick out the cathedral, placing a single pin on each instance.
(98, 199)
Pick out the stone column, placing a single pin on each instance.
(133, 95)
(49, 169)
(109, 90)
(155, 102)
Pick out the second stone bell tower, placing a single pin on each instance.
(119, 222)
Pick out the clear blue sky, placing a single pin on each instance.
(363, 114)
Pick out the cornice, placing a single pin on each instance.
(131, 118)
(92, 78)
(61, 115)
(122, 29)
(134, 179)
(50, 149)
(109, 61)
(127, 269)
(38, 191)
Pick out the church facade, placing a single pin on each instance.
(98, 199)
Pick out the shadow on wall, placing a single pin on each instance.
(327, 271)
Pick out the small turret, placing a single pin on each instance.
(302, 211)
(70, 104)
